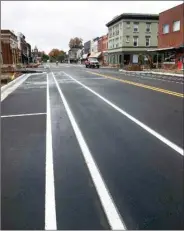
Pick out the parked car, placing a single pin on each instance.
(92, 62)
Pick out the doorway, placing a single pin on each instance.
(126, 59)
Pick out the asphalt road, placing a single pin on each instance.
(92, 150)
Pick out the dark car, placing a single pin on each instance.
(92, 63)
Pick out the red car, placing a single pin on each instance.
(92, 62)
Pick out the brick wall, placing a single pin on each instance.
(6, 53)
(172, 39)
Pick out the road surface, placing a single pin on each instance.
(92, 149)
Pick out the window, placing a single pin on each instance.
(148, 27)
(135, 41)
(127, 39)
(135, 59)
(136, 26)
(117, 42)
(147, 41)
(127, 24)
(176, 26)
(166, 29)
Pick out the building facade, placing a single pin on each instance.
(9, 48)
(29, 54)
(74, 55)
(171, 38)
(171, 27)
(94, 45)
(103, 48)
(87, 47)
(130, 35)
(22, 45)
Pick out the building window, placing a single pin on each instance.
(135, 58)
(135, 41)
(147, 41)
(176, 26)
(166, 29)
(148, 27)
(127, 39)
(136, 26)
(127, 24)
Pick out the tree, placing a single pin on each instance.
(61, 57)
(75, 43)
(149, 58)
(57, 55)
(54, 53)
(45, 57)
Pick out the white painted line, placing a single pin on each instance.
(13, 86)
(19, 115)
(50, 207)
(110, 209)
(93, 78)
(142, 125)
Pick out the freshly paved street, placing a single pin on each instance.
(92, 149)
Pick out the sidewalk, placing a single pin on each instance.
(156, 72)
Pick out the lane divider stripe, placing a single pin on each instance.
(136, 121)
(50, 204)
(106, 200)
(140, 85)
(20, 115)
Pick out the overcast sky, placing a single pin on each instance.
(51, 24)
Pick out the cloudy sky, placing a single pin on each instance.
(51, 24)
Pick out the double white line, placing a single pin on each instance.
(106, 200)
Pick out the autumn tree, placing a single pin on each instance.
(57, 55)
(54, 53)
(75, 43)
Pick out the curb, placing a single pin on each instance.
(3, 88)
(153, 72)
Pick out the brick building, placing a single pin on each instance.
(103, 47)
(171, 37)
(9, 48)
(171, 27)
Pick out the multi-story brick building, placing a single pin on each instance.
(171, 27)
(103, 47)
(171, 36)
(130, 35)
(9, 47)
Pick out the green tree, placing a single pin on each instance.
(61, 57)
(45, 57)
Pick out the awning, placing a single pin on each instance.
(95, 55)
(105, 52)
(84, 56)
(162, 49)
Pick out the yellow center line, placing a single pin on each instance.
(141, 85)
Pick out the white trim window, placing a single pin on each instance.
(165, 28)
(117, 42)
(136, 27)
(148, 41)
(176, 26)
(127, 25)
(135, 41)
(148, 27)
(127, 39)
